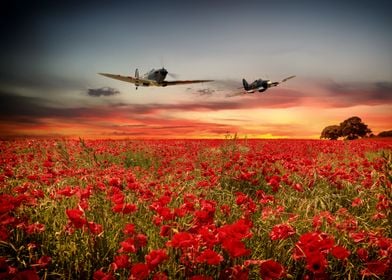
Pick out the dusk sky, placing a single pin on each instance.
(50, 54)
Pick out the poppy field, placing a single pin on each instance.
(195, 209)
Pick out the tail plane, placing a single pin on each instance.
(246, 85)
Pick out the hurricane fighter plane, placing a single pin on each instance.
(261, 85)
(155, 77)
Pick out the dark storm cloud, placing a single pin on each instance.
(38, 81)
(12, 105)
(104, 91)
(353, 94)
(31, 109)
(279, 98)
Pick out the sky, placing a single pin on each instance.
(51, 52)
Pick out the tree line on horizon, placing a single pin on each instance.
(350, 129)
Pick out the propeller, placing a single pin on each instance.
(173, 75)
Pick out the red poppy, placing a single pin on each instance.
(203, 217)
(44, 261)
(115, 182)
(201, 277)
(164, 200)
(182, 240)
(225, 209)
(165, 231)
(85, 193)
(208, 235)
(237, 272)
(3, 233)
(363, 254)
(139, 271)
(180, 212)
(67, 191)
(95, 228)
(157, 220)
(210, 257)
(6, 203)
(298, 187)
(340, 252)
(241, 198)
(281, 231)
(239, 230)
(129, 229)
(27, 274)
(316, 263)
(117, 198)
(314, 242)
(358, 237)
(140, 240)
(125, 208)
(84, 204)
(165, 213)
(120, 261)
(271, 269)
(235, 248)
(127, 246)
(35, 228)
(375, 268)
(100, 275)
(274, 182)
(356, 202)
(75, 215)
(160, 276)
(155, 258)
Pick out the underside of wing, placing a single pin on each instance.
(129, 79)
(185, 82)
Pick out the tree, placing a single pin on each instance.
(353, 128)
(387, 133)
(332, 132)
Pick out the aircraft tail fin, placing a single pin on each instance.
(137, 78)
(245, 83)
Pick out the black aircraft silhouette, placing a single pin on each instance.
(261, 85)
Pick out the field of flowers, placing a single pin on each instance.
(195, 209)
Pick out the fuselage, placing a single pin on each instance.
(158, 75)
(259, 85)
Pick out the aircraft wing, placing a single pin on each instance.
(286, 79)
(128, 79)
(275, 84)
(185, 82)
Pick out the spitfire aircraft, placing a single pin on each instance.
(152, 78)
(262, 85)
